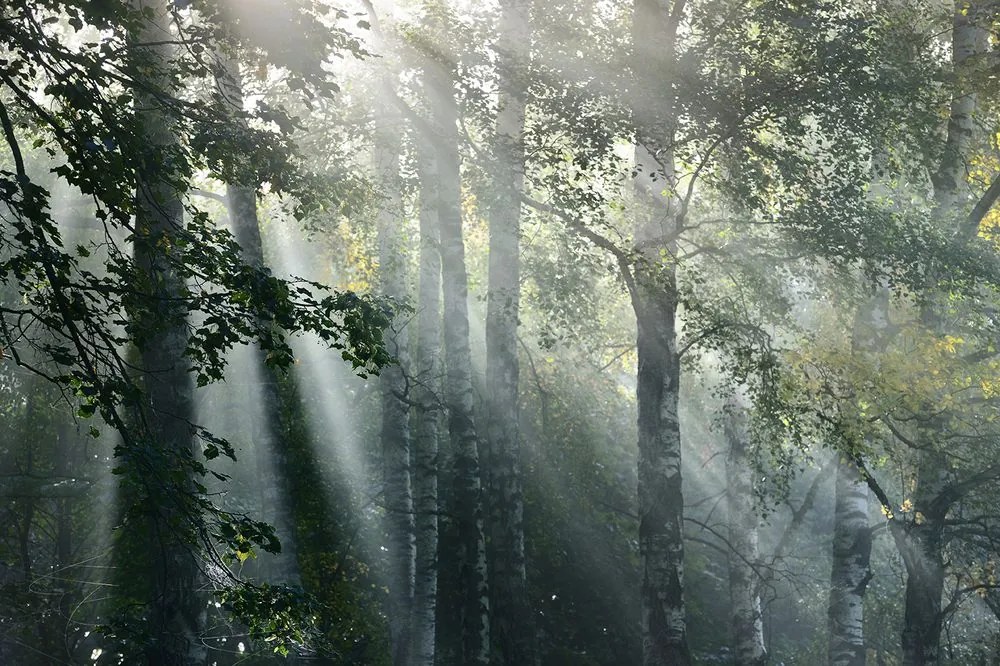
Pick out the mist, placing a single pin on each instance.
(517, 333)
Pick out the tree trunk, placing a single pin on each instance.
(393, 389)
(267, 424)
(512, 622)
(852, 545)
(654, 299)
(925, 559)
(852, 539)
(176, 612)
(744, 580)
(466, 507)
(922, 617)
(426, 395)
(923, 556)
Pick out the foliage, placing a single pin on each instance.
(69, 322)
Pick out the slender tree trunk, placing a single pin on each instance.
(658, 217)
(924, 560)
(922, 618)
(466, 506)
(850, 573)
(426, 417)
(176, 613)
(744, 581)
(852, 540)
(67, 463)
(393, 383)
(393, 389)
(267, 424)
(512, 623)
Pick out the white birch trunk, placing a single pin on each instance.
(850, 573)
(747, 623)
(852, 539)
(466, 506)
(393, 382)
(657, 215)
(426, 418)
(395, 413)
(512, 626)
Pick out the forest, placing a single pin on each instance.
(501, 333)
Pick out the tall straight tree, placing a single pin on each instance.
(466, 501)
(852, 537)
(393, 383)
(923, 555)
(426, 415)
(849, 573)
(658, 220)
(176, 609)
(512, 626)
(395, 433)
(267, 423)
(744, 551)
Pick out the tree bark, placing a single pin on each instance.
(850, 574)
(654, 299)
(426, 417)
(924, 554)
(176, 613)
(512, 622)
(466, 506)
(266, 424)
(924, 561)
(393, 387)
(852, 539)
(744, 581)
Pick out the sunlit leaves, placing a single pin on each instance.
(70, 81)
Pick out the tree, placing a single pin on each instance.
(466, 501)
(934, 493)
(658, 218)
(266, 426)
(850, 573)
(117, 123)
(427, 393)
(395, 393)
(744, 557)
(164, 417)
(511, 620)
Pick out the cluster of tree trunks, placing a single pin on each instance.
(464, 588)
(457, 558)
(922, 540)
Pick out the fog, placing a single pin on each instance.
(520, 333)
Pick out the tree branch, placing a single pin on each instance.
(982, 207)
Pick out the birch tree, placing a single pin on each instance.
(658, 220)
(923, 552)
(393, 382)
(852, 534)
(512, 626)
(466, 501)
(395, 412)
(426, 416)
(747, 623)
